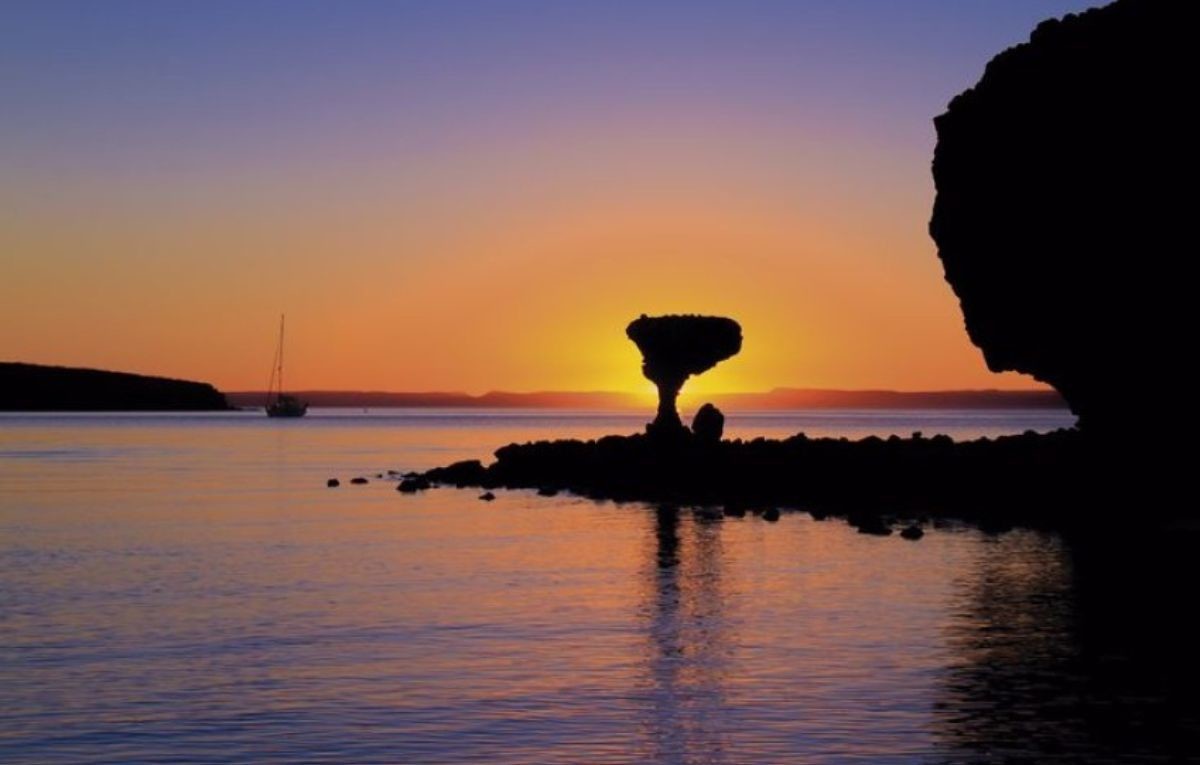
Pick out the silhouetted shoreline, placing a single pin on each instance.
(38, 388)
(1054, 479)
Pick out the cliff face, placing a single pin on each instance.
(1060, 221)
(32, 387)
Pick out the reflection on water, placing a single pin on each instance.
(1076, 653)
(689, 642)
(191, 592)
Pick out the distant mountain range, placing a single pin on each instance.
(780, 398)
(34, 387)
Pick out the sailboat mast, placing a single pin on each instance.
(281, 318)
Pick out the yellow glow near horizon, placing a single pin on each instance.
(535, 297)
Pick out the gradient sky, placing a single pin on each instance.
(474, 196)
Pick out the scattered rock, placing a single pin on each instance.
(333, 483)
(771, 514)
(413, 485)
(869, 523)
(913, 532)
(358, 480)
(487, 496)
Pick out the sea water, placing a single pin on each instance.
(184, 588)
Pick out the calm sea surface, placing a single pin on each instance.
(183, 588)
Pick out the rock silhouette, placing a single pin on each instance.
(34, 387)
(1060, 216)
(708, 424)
(1032, 479)
(675, 348)
(1060, 220)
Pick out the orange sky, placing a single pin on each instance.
(497, 234)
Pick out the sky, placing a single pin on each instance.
(474, 196)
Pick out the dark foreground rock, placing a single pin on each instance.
(1060, 216)
(1030, 479)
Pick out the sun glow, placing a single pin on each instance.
(474, 239)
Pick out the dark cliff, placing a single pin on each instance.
(32, 387)
(1062, 179)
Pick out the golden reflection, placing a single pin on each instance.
(689, 639)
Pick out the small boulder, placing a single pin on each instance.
(413, 485)
(709, 424)
(333, 483)
(869, 523)
(359, 481)
(487, 496)
(913, 532)
(771, 514)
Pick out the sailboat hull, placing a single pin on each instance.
(285, 408)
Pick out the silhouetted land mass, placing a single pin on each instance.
(1022, 478)
(780, 398)
(33, 387)
(1062, 211)
(1059, 219)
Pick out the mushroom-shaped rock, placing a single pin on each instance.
(709, 424)
(1059, 217)
(675, 348)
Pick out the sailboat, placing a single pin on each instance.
(279, 404)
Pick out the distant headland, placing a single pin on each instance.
(37, 388)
